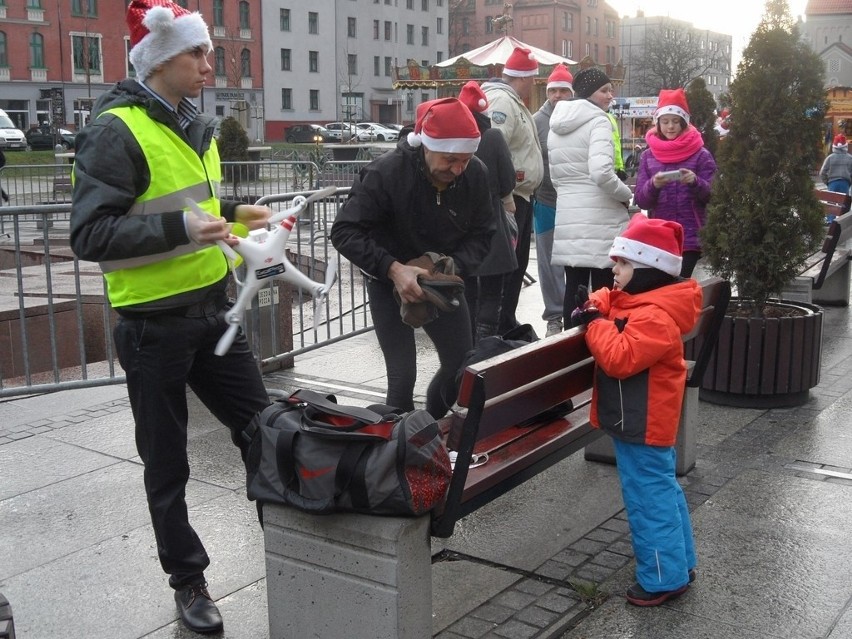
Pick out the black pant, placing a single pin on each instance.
(484, 296)
(161, 356)
(450, 333)
(515, 280)
(577, 275)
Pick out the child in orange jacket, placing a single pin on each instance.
(635, 333)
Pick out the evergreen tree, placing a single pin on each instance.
(233, 147)
(763, 220)
(702, 112)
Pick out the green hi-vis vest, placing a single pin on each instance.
(177, 173)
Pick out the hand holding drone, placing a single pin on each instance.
(263, 254)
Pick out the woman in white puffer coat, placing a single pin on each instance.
(591, 201)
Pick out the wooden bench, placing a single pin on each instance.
(825, 275)
(379, 568)
(833, 203)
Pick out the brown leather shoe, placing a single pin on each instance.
(197, 610)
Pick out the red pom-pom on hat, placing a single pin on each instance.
(445, 126)
(672, 101)
(473, 98)
(521, 64)
(560, 78)
(839, 142)
(653, 243)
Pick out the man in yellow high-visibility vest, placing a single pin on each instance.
(145, 151)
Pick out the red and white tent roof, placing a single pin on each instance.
(498, 51)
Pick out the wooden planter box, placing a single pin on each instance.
(765, 363)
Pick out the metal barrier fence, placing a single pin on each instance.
(56, 324)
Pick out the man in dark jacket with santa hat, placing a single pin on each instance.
(408, 212)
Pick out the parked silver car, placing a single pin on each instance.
(376, 132)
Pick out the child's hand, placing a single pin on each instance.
(585, 311)
(581, 296)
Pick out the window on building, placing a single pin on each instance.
(465, 26)
(424, 5)
(284, 19)
(409, 4)
(567, 21)
(588, 25)
(439, 26)
(588, 48)
(34, 4)
(314, 100)
(352, 64)
(424, 36)
(286, 59)
(489, 24)
(219, 61)
(4, 50)
(313, 61)
(387, 66)
(88, 8)
(313, 22)
(218, 13)
(388, 30)
(377, 65)
(596, 27)
(376, 29)
(86, 54)
(352, 27)
(409, 34)
(287, 99)
(245, 63)
(439, 56)
(245, 15)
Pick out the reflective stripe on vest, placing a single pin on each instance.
(176, 173)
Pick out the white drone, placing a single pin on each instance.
(263, 254)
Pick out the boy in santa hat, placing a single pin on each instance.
(635, 333)
(146, 150)
(428, 196)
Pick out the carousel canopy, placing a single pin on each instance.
(484, 63)
(498, 51)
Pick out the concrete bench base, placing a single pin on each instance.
(601, 450)
(348, 575)
(834, 290)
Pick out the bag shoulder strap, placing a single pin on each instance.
(333, 408)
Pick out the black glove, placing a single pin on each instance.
(585, 311)
(621, 175)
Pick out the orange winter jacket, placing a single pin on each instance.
(640, 373)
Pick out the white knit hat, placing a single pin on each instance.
(161, 30)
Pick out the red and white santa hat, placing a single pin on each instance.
(473, 98)
(560, 78)
(673, 102)
(445, 126)
(161, 30)
(521, 64)
(651, 243)
(839, 142)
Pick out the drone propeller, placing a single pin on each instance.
(300, 203)
(322, 294)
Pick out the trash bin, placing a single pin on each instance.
(268, 323)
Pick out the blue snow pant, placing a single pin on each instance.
(657, 514)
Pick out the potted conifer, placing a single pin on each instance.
(763, 220)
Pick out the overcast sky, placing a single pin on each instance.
(737, 18)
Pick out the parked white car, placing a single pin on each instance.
(375, 132)
(341, 131)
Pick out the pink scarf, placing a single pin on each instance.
(671, 151)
